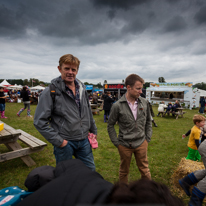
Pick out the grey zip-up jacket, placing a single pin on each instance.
(62, 119)
(132, 133)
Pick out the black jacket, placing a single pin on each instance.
(107, 102)
(24, 95)
(74, 184)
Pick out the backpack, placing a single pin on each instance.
(52, 92)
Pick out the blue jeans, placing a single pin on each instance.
(2, 107)
(202, 109)
(79, 149)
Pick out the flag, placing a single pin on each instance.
(33, 81)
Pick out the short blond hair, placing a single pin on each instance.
(69, 59)
(198, 118)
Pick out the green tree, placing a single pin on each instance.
(86, 83)
(25, 82)
(146, 84)
(201, 85)
(161, 79)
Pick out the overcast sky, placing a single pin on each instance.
(111, 38)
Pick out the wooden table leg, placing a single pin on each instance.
(177, 116)
(26, 159)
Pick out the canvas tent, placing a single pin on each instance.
(5, 83)
(15, 87)
(202, 92)
(37, 88)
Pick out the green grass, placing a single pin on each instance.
(164, 152)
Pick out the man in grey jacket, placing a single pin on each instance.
(66, 120)
(135, 128)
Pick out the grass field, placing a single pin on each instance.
(164, 152)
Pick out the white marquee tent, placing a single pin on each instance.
(5, 83)
(202, 92)
(37, 88)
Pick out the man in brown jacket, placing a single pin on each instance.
(135, 128)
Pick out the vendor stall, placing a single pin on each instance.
(170, 92)
(116, 90)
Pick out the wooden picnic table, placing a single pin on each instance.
(94, 108)
(9, 137)
(180, 112)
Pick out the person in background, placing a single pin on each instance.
(108, 100)
(66, 120)
(161, 107)
(202, 135)
(174, 107)
(152, 114)
(169, 108)
(194, 138)
(202, 105)
(94, 99)
(25, 96)
(198, 177)
(2, 103)
(135, 128)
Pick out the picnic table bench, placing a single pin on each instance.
(94, 108)
(9, 137)
(180, 112)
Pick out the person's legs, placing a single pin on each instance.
(125, 157)
(28, 111)
(105, 115)
(197, 156)
(83, 152)
(140, 154)
(64, 153)
(3, 111)
(193, 155)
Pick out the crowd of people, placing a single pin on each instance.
(64, 118)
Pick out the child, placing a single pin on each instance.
(169, 107)
(2, 102)
(199, 176)
(161, 107)
(174, 107)
(193, 142)
(202, 136)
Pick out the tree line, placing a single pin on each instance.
(36, 82)
(29, 82)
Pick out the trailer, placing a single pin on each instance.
(170, 92)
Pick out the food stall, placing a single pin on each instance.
(116, 90)
(170, 92)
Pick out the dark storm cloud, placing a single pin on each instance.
(11, 23)
(175, 24)
(118, 4)
(200, 16)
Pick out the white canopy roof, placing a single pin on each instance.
(37, 88)
(1, 85)
(167, 89)
(5, 83)
(15, 87)
(202, 92)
